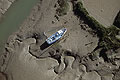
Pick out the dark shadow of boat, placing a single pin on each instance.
(44, 45)
(53, 39)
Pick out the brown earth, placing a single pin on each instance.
(2, 76)
(74, 57)
(104, 11)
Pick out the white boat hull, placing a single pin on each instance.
(56, 36)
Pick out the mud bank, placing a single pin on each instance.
(13, 18)
(75, 57)
(4, 5)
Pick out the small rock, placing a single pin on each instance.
(82, 68)
(69, 61)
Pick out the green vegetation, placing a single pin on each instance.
(64, 7)
(107, 36)
(109, 40)
(117, 20)
(80, 7)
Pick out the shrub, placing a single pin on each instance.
(107, 36)
(117, 20)
(81, 8)
(64, 7)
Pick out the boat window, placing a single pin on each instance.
(61, 34)
(49, 39)
(53, 38)
(57, 34)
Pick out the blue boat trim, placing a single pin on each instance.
(56, 36)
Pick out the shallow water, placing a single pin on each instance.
(14, 17)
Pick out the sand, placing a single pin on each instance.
(68, 59)
(104, 11)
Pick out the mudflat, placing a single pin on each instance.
(104, 11)
(76, 56)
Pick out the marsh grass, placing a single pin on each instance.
(117, 20)
(107, 36)
(63, 7)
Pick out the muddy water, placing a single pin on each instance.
(14, 17)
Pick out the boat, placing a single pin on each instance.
(56, 36)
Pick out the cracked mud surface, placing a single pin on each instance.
(74, 57)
